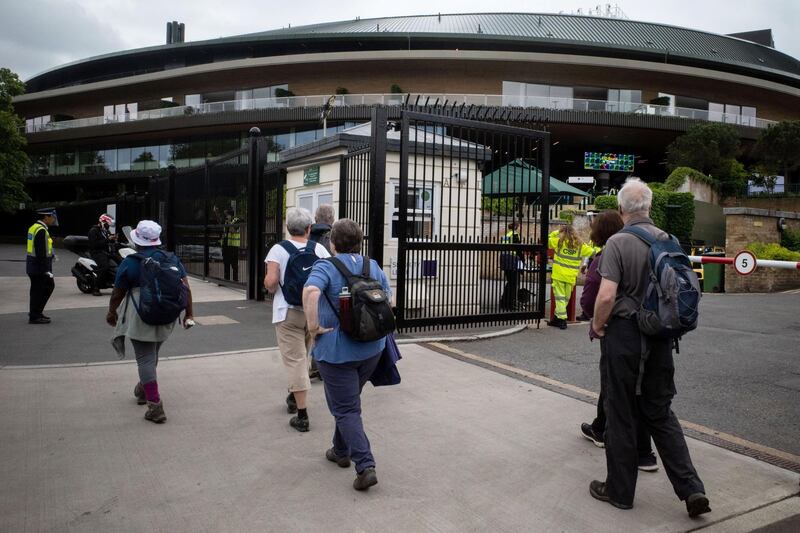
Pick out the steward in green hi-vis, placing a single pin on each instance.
(231, 242)
(569, 253)
(39, 264)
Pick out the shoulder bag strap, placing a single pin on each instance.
(289, 247)
(366, 269)
(643, 235)
(343, 270)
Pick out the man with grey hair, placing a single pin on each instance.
(288, 266)
(625, 270)
(321, 230)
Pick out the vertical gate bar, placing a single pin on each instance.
(544, 147)
(400, 301)
(170, 208)
(252, 215)
(378, 183)
(343, 181)
(206, 178)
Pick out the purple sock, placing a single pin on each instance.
(151, 392)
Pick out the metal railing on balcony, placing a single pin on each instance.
(492, 100)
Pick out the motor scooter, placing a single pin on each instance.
(86, 270)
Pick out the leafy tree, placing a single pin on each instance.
(14, 162)
(709, 148)
(778, 148)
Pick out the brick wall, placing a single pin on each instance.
(744, 225)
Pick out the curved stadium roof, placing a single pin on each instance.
(530, 32)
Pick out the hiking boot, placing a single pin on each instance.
(562, 323)
(291, 404)
(365, 479)
(300, 424)
(599, 491)
(697, 504)
(138, 391)
(313, 372)
(589, 433)
(155, 412)
(648, 463)
(331, 456)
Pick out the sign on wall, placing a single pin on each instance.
(311, 176)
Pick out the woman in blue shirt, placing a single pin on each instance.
(344, 364)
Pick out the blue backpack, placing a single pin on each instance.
(298, 268)
(162, 294)
(671, 304)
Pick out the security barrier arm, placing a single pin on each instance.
(766, 263)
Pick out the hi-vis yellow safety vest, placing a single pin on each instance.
(233, 235)
(32, 231)
(567, 261)
(509, 237)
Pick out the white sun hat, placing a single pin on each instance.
(147, 233)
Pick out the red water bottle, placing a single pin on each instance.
(345, 310)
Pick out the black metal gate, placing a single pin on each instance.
(470, 214)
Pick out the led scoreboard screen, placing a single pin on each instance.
(607, 161)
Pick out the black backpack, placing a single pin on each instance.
(162, 294)
(671, 303)
(371, 317)
(298, 268)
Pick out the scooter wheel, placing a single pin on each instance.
(83, 286)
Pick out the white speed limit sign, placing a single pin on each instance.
(744, 262)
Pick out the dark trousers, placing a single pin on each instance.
(343, 384)
(103, 268)
(230, 262)
(599, 425)
(42, 287)
(508, 300)
(621, 349)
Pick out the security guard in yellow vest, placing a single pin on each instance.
(569, 252)
(39, 264)
(231, 242)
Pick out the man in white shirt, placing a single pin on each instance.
(288, 266)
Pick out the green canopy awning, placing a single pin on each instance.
(520, 178)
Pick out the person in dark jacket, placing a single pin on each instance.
(100, 238)
(39, 264)
(321, 229)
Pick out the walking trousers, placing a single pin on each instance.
(621, 351)
(343, 383)
(599, 425)
(42, 287)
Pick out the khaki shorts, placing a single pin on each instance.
(295, 342)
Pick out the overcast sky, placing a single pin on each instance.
(36, 35)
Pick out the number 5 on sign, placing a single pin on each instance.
(744, 262)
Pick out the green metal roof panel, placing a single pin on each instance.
(526, 31)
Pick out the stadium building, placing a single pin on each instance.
(613, 93)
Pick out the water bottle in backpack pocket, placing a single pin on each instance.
(298, 268)
(162, 293)
(367, 315)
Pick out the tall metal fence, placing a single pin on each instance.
(209, 218)
(470, 215)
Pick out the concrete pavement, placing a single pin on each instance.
(459, 448)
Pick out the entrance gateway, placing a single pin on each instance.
(469, 217)
(456, 211)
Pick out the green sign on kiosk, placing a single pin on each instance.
(311, 176)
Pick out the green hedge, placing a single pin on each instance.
(772, 250)
(605, 202)
(679, 175)
(791, 239)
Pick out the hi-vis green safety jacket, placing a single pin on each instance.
(567, 261)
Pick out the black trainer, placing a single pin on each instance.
(300, 424)
(648, 463)
(365, 479)
(589, 433)
(697, 504)
(291, 404)
(599, 491)
(331, 456)
(40, 320)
